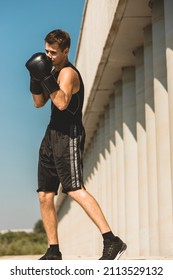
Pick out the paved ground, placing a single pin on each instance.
(36, 257)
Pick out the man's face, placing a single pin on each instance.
(55, 54)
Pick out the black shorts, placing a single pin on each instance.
(60, 160)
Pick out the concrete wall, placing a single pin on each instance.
(129, 155)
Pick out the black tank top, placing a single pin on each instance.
(72, 115)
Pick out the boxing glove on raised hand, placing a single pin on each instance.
(35, 86)
(40, 67)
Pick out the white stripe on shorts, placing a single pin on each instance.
(74, 159)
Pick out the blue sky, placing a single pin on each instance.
(23, 26)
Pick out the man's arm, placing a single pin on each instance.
(69, 84)
(60, 91)
(40, 99)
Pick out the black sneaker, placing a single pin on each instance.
(113, 249)
(51, 255)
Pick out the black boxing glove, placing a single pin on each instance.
(40, 67)
(35, 86)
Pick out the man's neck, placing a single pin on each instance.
(58, 67)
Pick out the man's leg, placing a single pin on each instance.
(49, 217)
(113, 246)
(91, 207)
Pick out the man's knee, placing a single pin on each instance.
(81, 193)
(46, 197)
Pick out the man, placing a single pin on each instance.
(60, 156)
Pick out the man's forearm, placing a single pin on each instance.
(40, 100)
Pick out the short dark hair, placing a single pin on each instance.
(60, 37)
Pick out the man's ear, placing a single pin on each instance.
(66, 51)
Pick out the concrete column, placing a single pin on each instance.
(151, 143)
(98, 181)
(112, 148)
(162, 129)
(130, 161)
(87, 226)
(142, 154)
(94, 190)
(168, 8)
(102, 166)
(108, 186)
(121, 215)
